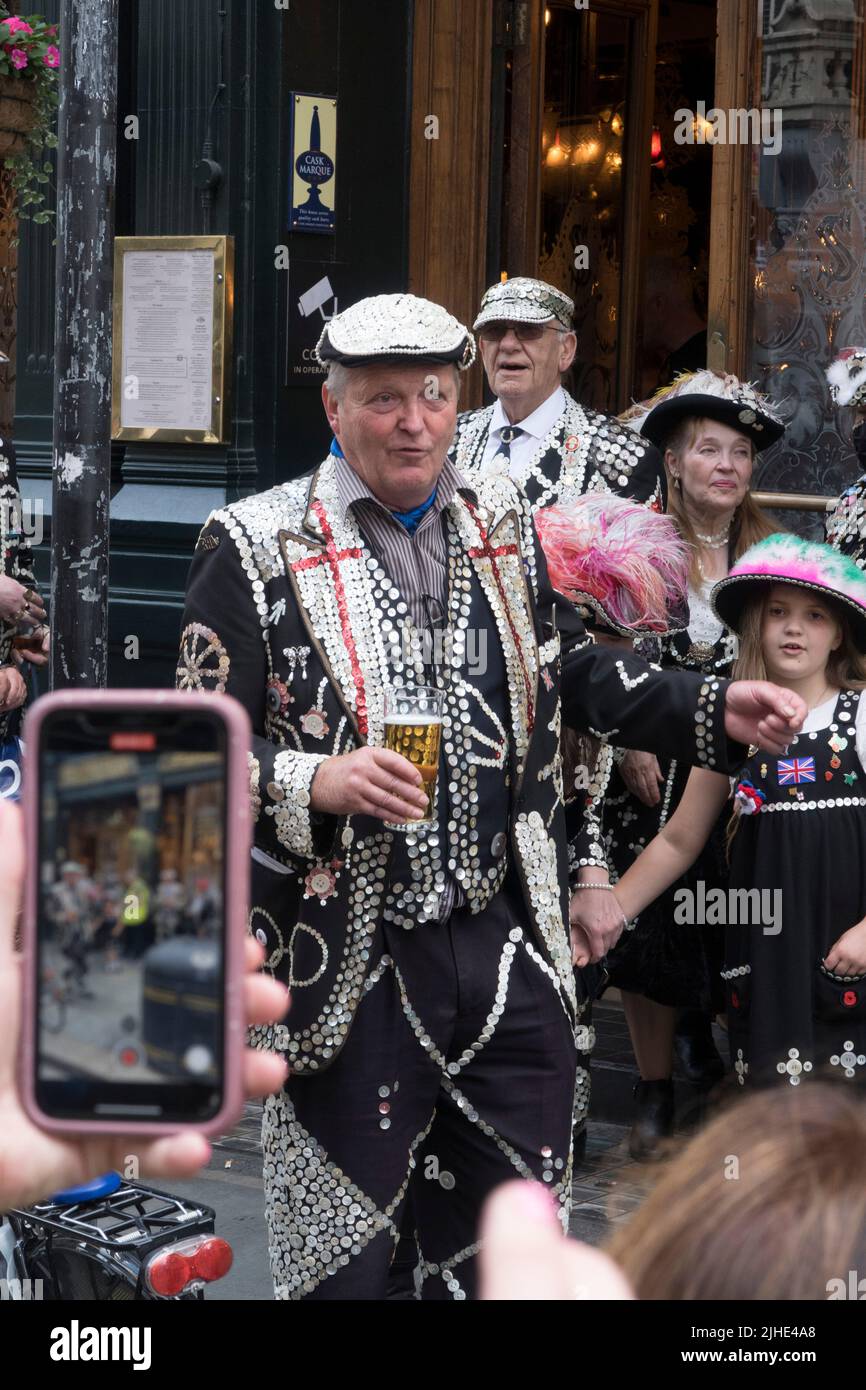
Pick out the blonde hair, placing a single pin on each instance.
(793, 1221)
(749, 524)
(845, 669)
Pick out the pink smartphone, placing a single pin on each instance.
(136, 806)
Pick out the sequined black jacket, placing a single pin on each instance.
(584, 452)
(287, 611)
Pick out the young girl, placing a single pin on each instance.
(795, 967)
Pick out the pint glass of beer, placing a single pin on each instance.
(413, 728)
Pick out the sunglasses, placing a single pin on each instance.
(526, 332)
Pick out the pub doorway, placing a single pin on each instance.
(625, 224)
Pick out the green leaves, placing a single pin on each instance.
(31, 173)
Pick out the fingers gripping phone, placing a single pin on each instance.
(137, 820)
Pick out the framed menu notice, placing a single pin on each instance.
(173, 304)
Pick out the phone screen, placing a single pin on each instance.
(131, 920)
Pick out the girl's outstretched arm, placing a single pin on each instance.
(677, 845)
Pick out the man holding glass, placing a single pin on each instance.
(415, 909)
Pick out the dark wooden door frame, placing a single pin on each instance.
(729, 284)
(526, 121)
(449, 174)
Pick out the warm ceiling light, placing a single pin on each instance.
(547, 16)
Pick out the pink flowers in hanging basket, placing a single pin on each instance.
(16, 26)
(29, 63)
(28, 47)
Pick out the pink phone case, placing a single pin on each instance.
(237, 862)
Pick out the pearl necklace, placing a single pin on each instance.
(716, 542)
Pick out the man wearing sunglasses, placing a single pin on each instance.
(556, 450)
(536, 432)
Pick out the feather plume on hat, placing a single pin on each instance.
(619, 562)
(706, 394)
(846, 375)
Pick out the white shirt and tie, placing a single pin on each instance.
(532, 431)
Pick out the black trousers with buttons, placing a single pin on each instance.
(458, 1074)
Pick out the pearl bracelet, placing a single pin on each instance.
(608, 888)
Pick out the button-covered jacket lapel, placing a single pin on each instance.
(498, 561)
(327, 568)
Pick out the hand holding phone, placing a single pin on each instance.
(138, 831)
(36, 1163)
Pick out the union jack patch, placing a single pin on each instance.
(793, 770)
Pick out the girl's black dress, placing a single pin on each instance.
(789, 1017)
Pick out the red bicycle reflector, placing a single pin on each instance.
(168, 1273)
(122, 742)
(199, 1260)
(213, 1260)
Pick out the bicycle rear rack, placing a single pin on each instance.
(132, 1218)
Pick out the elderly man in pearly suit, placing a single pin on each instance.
(535, 432)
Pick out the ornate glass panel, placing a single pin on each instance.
(808, 235)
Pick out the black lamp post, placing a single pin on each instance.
(87, 133)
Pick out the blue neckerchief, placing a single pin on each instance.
(412, 519)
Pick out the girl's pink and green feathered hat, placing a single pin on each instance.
(786, 559)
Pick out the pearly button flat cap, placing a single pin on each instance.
(523, 300)
(392, 328)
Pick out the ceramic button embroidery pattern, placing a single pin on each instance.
(848, 1060)
(301, 929)
(630, 682)
(259, 922)
(584, 451)
(793, 1067)
(204, 662)
(314, 723)
(538, 852)
(255, 772)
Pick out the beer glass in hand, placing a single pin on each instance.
(413, 728)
